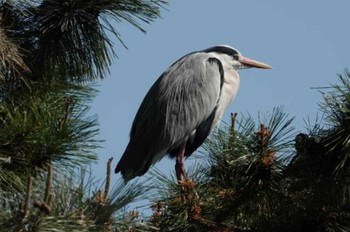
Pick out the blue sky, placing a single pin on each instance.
(306, 43)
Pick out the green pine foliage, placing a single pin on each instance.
(70, 201)
(52, 127)
(51, 52)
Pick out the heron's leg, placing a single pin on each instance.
(180, 166)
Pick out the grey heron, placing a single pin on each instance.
(182, 107)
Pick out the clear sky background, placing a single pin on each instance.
(306, 43)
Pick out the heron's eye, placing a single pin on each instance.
(235, 56)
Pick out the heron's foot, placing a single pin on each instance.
(180, 166)
(180, 170)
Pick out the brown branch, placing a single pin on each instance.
(232, 128)
(48, 183)
(25, 206)
(108, 178)
(43, 207)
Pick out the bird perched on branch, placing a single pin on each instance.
(182, 107)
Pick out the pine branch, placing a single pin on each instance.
(48, 127)
(67, 39)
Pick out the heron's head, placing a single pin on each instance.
(235, 59)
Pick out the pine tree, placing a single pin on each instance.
(51, 52)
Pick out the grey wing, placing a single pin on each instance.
(179, 101)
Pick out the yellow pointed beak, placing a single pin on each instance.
(253, 63)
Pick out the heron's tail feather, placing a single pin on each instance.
(133, 163)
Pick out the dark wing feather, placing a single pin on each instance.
(175, 106)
